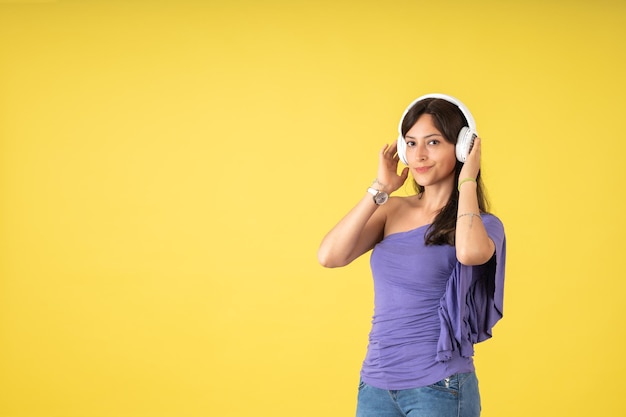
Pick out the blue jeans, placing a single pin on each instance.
(456, 396)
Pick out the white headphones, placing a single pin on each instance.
(466, 136)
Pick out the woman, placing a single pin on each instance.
(438, 266)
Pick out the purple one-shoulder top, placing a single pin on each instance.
(429, 310)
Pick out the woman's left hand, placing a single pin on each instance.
(471, 167)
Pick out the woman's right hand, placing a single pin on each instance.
(359, 230)
(388, 176)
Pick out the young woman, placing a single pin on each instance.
(438, 266)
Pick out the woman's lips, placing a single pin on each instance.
(422, 170)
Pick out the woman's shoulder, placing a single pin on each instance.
(405, 199)
(402, 214)
(401, 202)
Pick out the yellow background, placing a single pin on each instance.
(168, 168)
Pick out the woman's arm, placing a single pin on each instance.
(354, 235)
(473, 245)
(363, 226)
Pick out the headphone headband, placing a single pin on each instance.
(453, 100)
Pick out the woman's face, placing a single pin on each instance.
(430, 156)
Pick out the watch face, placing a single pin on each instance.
(381, 198)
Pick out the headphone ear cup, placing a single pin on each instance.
(402, 150)
(464, 143)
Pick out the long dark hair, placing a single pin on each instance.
(449, 120)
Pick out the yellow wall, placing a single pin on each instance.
(168, 168)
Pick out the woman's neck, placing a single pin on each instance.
(435, 197)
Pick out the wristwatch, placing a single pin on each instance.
(380, 197)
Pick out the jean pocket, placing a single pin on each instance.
(449, 385)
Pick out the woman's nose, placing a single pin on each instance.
(420, 151)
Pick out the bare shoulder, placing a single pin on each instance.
(399, 203)
(402, 214)
(395, 204)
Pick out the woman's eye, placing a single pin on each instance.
(433, 142)
(410, 143)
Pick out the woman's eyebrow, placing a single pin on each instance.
(425, 137)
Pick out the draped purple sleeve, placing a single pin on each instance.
(473, 301)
